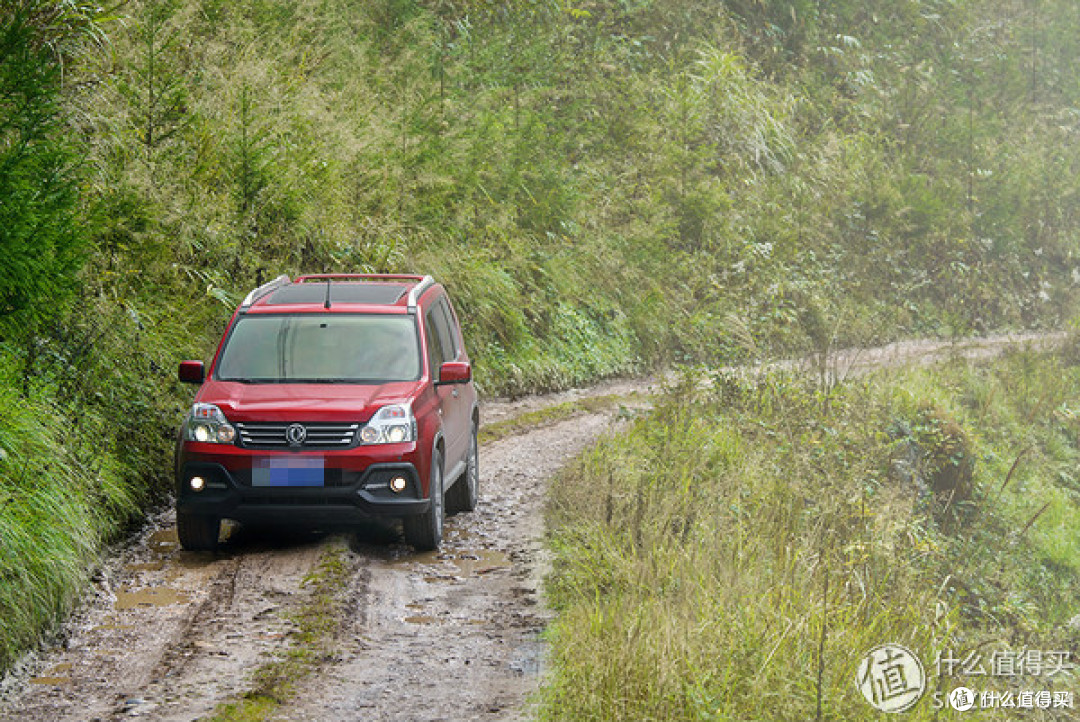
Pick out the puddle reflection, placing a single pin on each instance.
(467, 563)
(60, 674)
(149, 597)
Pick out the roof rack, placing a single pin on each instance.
(361, 277)
(264, 289)
(423, 283)
(418, 290)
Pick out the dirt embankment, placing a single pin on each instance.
(170, 635)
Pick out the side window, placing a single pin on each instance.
(445, 324)
(455, 329)
(435, 352)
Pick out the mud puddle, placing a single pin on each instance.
(58, 674)
(458, 565)
(149, 597)
(166, 634)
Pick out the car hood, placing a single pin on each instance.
(333, 403)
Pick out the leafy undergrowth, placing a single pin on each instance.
(736, 554)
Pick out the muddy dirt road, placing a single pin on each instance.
(170, 635)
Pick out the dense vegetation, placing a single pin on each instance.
(734, 554)
(603, 185)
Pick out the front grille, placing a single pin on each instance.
(316, 436)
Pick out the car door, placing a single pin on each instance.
(453, 405)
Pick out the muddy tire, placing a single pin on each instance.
(424, 531)
(463, 495)
(198, 533)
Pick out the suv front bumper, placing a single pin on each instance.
(346, 498)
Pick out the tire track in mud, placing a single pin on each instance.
(167, 634)
(242, 626)
(454, 634)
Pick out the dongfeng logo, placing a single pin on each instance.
(891, 678)
(296, 434)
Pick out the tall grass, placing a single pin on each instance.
(86, 433)
(717, 556)
(60, 501)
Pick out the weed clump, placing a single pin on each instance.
(934, 456)
(948, 457)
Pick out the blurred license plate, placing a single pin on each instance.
(291, 471)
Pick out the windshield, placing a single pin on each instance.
(321, 348)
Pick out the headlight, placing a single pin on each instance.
(390, 425)
(207, 424)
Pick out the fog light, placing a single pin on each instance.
(197, 483)
(398, 484)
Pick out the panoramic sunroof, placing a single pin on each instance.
(366, 293)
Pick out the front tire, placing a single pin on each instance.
(424, 531)
(465, 492)
(198, 533)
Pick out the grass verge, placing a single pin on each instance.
(548, 415)
(59, 504)
(735, 554)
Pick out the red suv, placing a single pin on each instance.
(331, 398)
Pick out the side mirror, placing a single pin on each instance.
(455, 372)
(192, 372)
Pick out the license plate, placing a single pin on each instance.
(288, 471)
